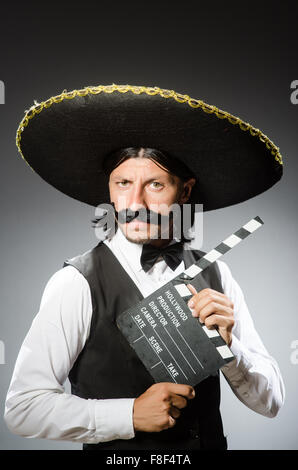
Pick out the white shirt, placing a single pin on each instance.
(37, 405)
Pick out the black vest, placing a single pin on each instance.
(108, 367)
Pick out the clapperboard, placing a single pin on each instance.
(172, 344)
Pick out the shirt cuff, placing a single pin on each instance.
(114, 419)
(237, 368)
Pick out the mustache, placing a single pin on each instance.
(143, 215)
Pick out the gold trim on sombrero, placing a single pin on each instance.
(137, 90)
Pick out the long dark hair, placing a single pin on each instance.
(172, 165)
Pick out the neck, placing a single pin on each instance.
(162, 242)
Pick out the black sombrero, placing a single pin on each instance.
(66, 138)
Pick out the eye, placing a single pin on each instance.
(122, 184)
(156, 185)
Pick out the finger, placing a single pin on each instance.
(174, 412)
(202, 292)
(180, 389)
(179, 402)
(172, 421)
(202, 297)
(202, 302)
(209, 291)
(215, 308)
(206, 306)
(220, 322)
(192, 289)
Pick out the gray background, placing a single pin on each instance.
(240, 56)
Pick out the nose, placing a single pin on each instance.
(136, 197)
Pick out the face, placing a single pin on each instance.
(140, 183)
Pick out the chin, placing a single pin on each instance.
(138, 235)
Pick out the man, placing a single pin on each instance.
(115, 403)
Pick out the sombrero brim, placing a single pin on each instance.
(66, 138)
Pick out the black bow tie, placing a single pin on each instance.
(172, 254)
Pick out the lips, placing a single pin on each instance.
(138, 222)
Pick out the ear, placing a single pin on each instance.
(186, 192)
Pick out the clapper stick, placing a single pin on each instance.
(172, 344)
(216, 253)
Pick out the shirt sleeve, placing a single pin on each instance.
(37, 405)
(253, 375)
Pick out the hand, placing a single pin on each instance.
(159, 407)
(213, 309)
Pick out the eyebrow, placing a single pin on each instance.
(117, 177)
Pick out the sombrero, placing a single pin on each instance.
(66, 138)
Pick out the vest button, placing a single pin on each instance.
(194, 434)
